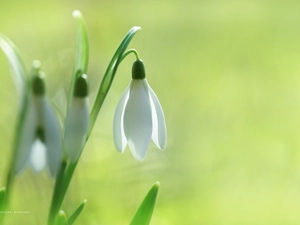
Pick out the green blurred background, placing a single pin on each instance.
(227, 73)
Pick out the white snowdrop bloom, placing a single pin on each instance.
(77, 120)
(40, 138)
(139, 116)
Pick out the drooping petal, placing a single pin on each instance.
(38, 158)
(138, 121)
(52, 137)
(76, 127)
(27, 136)
(118, 127)
(159, 133)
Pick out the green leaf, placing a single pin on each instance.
(76, 213)
(109, 75)
(61, 218)
(81, 51)
(17, 67)
(2, 197)
(82, 44)
(20, 77)
(144, 213)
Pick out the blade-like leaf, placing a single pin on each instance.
(144, 213)
(82, 44)
(81, 50)
(17, 67)
(76, 213)
(2, 197)
(20, 77)
(61, 218)
(109, 75)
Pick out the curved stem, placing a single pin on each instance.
(128, 52)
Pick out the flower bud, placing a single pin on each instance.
(38, 86)
(138, 70)
(77, 120)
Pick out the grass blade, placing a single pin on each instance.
(2, 197)
(144, 213)
(76, 213)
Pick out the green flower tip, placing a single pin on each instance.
(81, 89)
(61, 218)
(138, 70)
(155, 187)
(36, 65)
(62, 213)
(38, 84)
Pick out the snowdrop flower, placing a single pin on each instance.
(40, 139)
(77, 120)
(139, 116)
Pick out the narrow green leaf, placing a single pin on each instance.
(20, 78)
(109, 75)
(144, 213)
(2, 197)
(76, 213)
(61, 218)
(17, 67)
(81, 50)
(82, 44)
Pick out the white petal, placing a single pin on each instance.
(38, 159)
(118, 128)
(52, 137)
(76, 127)
(159, 133)
(138, 121)
(27, 136)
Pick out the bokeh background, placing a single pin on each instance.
(227, 73)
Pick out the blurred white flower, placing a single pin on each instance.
(77, 120)
(139, 117)
(40, 138)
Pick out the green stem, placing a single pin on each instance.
(128, 52)
(57, 194)
(61, 188)
(67, 180)
(9, 181)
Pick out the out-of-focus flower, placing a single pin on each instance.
(77, 120)
(39, 144)
(139, 116)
